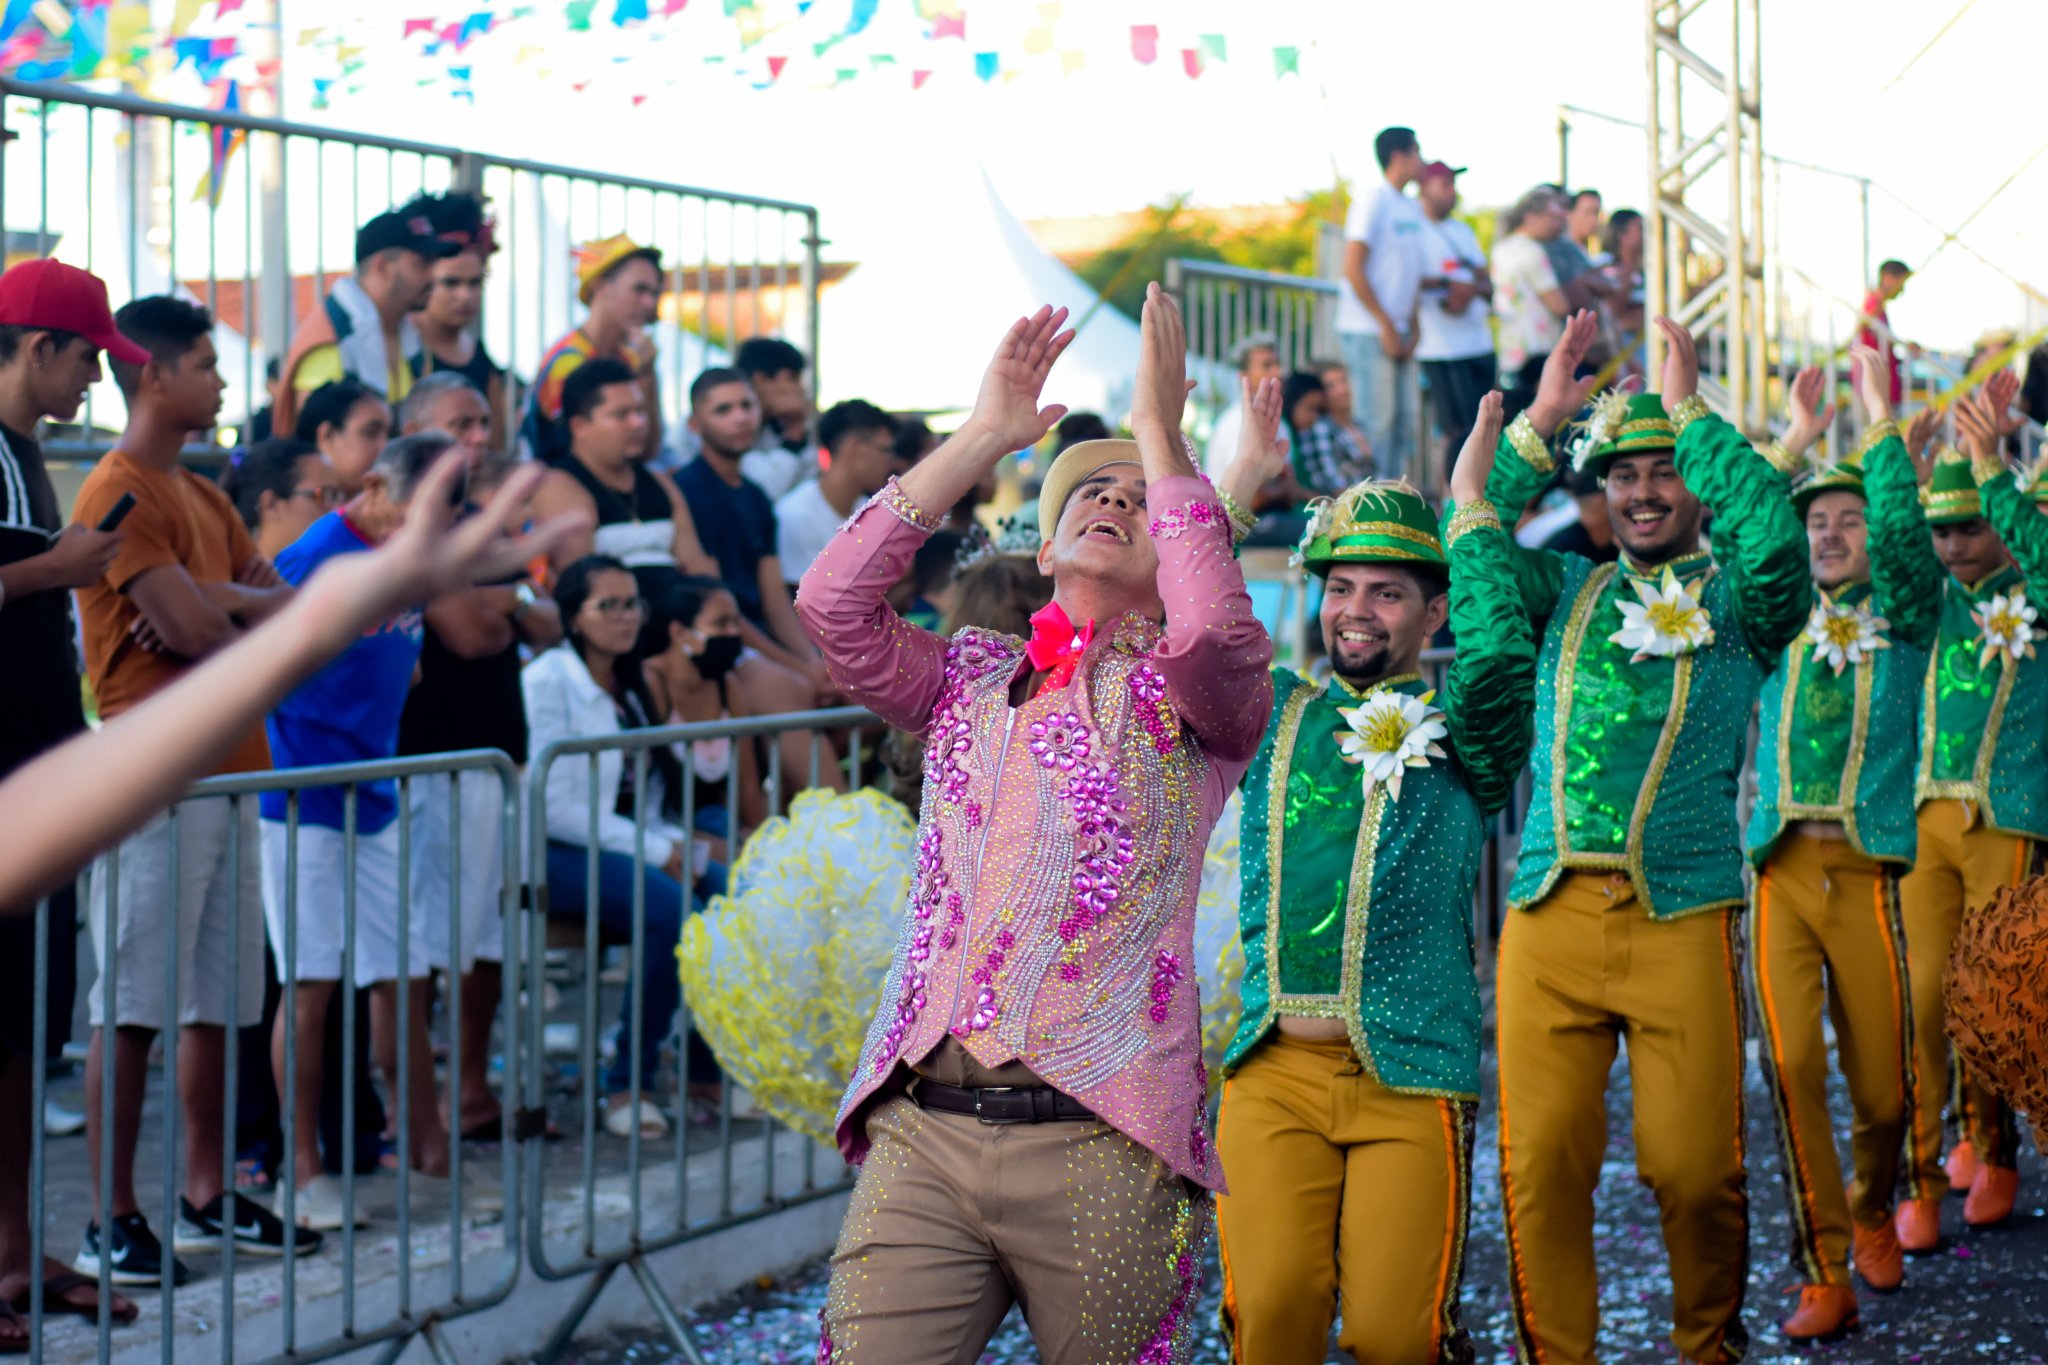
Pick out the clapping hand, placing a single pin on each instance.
(1259, 447)
(1873, 383)
(1007, 406)
(1560, 393)
(1475, 460)
(1811, 415)
(1919, 436)
(1162, 389)
(1681, 365)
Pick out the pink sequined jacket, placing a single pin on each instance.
(1060, 845)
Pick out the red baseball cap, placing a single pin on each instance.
(1440, 170)
(62, 298)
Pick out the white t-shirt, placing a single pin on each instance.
(804, 524)
(776, 469)
(1453, 254)
(1521, 274)
(1390, 224)
(1223, 438)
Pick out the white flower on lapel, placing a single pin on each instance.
(2005, 626)
(1842, 635)
(1389, 733)
(1666, 623)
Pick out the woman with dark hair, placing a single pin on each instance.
(348, 422)
(592, 685)
(696, 624)
(281, 486)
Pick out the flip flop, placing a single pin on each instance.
(55, 1287)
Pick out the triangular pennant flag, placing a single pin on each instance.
(987, 65)
(1286, 61)
(670, 8)
(863, 13)
(775, 65)
(412, 26)
(918, 78)
(628, 11)
(1038, 41)
(1191, 61)
(1212, 48)
(1072, 61)
(578, 13)
(949, 26)
(1145, 43)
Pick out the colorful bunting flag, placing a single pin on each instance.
(578, 13)
(1145, 43)
(1212, 48)
(1286, 62)
(223, 142)
(1072, 61)
(1191, 60)
(863, 13)
(987, 65)
(918, 78)
(949, 26)
(629, 11)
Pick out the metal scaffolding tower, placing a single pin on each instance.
(1704, 248)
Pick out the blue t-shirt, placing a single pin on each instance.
(348, 712)
(736, 526)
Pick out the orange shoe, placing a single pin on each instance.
(1991, 1197)
(1878, 1257)
(1825, 1312)
(1919, 1225)
(1962, 1166)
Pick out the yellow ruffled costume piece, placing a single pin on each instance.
(782, 974)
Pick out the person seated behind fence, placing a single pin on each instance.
(467, 696)
(1326, 460)
(187, 583)
(281, 486)
(696, 624)
(363, 329)
(349, 423)
(349, 713)
(785, 453)
(859, 441)
(619, 281)
(589, 686)
(1257, 358)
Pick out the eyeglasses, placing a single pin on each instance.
(620, 606)
(329, 496)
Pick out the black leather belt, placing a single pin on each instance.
(999, 1103)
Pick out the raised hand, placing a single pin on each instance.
(1475, 460)
(1681, 365)
(1258, 440)
(1162, 389)
(1559, 394)
(1977, 421)
(1919, 437)
(1873, 383)
(2001, 390)
(1811, 415)
(1007, 406)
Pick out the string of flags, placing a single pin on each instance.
(634, 48)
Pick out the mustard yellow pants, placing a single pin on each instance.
(1341, 1192)
(1960, 865)
(1580, 972)
(1825, 932)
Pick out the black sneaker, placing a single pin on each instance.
(137, 1256)
(257, 1231)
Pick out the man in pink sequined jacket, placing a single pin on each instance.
(1030, 1105)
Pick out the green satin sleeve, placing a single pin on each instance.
(1761, 546)
(1490, 691)
(1907, 578)
(2018, 522)
(1522, 467)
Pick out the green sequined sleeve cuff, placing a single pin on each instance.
(1534, 450)
(1688, 411)
(1876, 434)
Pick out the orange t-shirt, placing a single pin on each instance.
(178, 519)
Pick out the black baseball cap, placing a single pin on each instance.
(412, 231)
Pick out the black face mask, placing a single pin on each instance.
(719, 655)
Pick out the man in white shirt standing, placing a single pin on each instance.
(1454, 341)
(859, 443)
(1383, 270)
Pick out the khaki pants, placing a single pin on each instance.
(953, 1220)
(1340, 1187)
(1824, 930)
(1579, 972)
(1960, 865)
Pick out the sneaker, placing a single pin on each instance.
(134, 1253)
(256, 1231)
(317, 1204)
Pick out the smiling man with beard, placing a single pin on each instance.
(1624, 908)
(1346, 1124)
(1831, 836)
(1029, 1107)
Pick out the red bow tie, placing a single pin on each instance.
(1055, 647)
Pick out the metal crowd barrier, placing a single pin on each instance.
(649, 1207)
(140, 193)
(431, 1277)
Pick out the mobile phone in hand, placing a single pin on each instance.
(117, 513)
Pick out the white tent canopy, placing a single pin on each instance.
(911, 329)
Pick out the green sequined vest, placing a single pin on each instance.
(1836, 746)
(1636, 765)
(1984, 723)
(1357, 909)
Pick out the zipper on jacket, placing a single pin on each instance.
(980, 851)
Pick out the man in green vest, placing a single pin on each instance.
(1830, 836)
(1623, 919)
(1982, 781)
(1346, 1121)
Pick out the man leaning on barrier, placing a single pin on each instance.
(349, 713)
(1030, 1105)
(187, 582)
